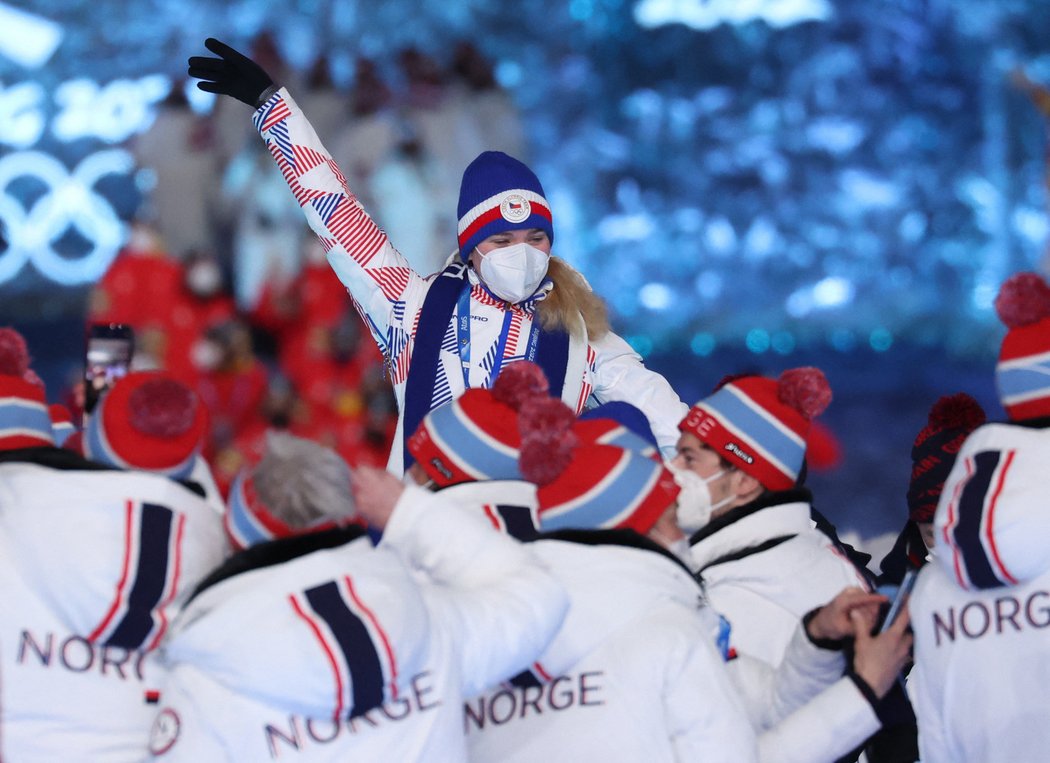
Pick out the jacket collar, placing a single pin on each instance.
(52, 457)
(622, 538)
(780, 514)
(1043, 422)
(278, 551)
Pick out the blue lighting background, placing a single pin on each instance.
(757, 185)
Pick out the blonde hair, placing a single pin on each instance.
(570, 297)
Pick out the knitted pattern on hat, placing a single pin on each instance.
(951, 420)
(24, 419)
(1022, 374)
(475, 437)
(589, 486)
(14, 355)
(147, 421)
(498, 193)
(760, 424)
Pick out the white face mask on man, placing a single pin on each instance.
(694, 501)
(514, 272)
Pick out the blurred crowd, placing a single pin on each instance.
(403, 129)
(295, 362)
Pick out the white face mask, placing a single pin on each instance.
(694, 501)
(204, 279)
(514, 272)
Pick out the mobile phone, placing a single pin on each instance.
(900, 599)
(107, 358)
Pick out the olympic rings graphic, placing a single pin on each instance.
(70, 201)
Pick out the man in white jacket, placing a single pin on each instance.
(981, 608)
(763, 562)
(805, 711)
(94, 564)
(633, 673)
(319, 646)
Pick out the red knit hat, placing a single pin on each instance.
(476, 437)
(147, 421)
(1023, 372)
(24, 420)
(589, 486)
(760, 425)
(950, 421)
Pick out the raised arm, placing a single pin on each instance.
(384, 288)
(498, 603)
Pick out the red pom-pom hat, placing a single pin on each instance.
(14, 355)
(24, 419)
(603, 486)
(473, 438)
(951, 420)
(760, 425)
(520, 382)
(147, 421)
(1023, 372)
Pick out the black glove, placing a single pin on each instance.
(231, 74)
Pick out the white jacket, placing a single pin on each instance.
(632, 675)
(94, 564)
(803, 710)
(981, 682)
(271, 662)
(764, 566)
(389, 295)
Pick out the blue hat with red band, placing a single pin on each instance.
(499, 193)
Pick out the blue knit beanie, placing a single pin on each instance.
(499, 193)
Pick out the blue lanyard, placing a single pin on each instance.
(463, 338)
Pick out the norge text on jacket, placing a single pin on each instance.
(300, 732)
(78, 655)
(583, 690)
(1005, 614)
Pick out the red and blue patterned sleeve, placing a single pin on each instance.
(385, 290)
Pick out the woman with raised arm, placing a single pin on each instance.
(501, 298)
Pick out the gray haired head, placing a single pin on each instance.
(302, 483)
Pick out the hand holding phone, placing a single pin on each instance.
(107, 357)
(900, 599)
